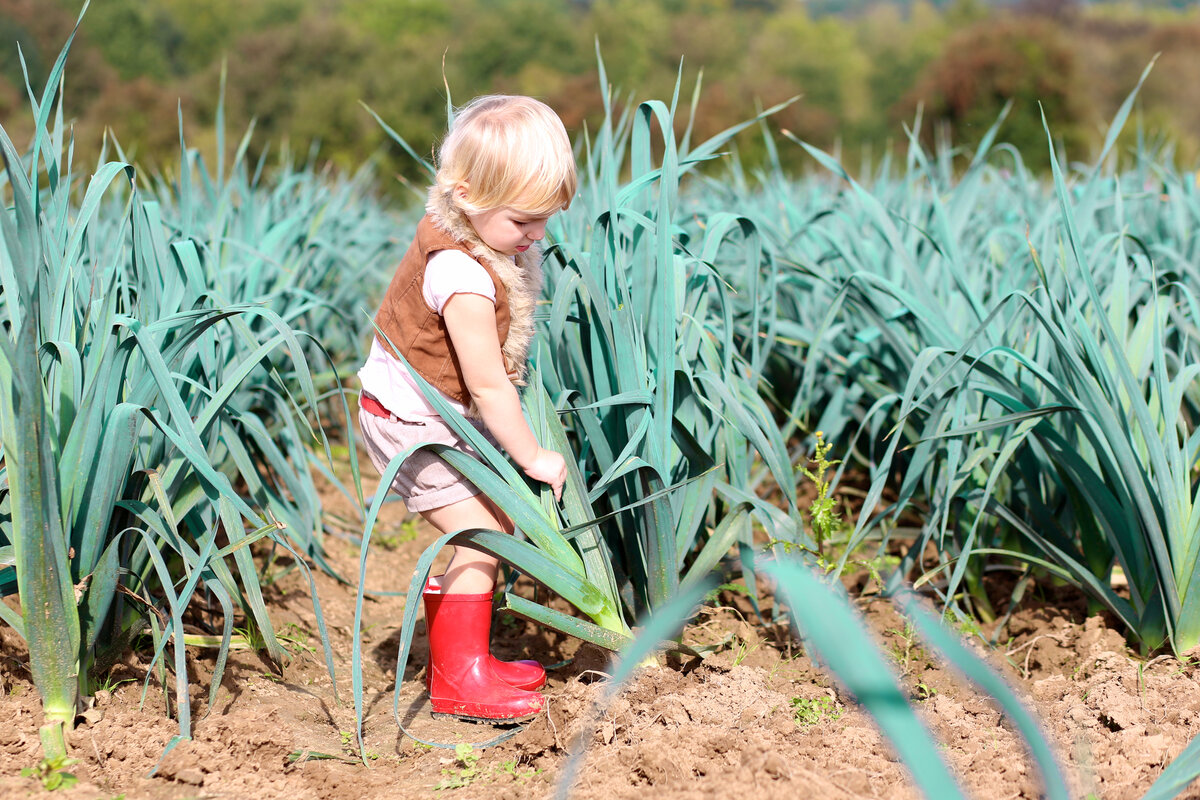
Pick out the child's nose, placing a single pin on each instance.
(537, 234)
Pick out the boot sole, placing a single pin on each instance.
(506, 721)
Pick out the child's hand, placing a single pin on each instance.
(549, 467)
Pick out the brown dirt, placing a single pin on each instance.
(693, 729)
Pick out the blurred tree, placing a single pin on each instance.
(630, 33)
(137, 37)
(713, 41)
(41, 28)
(900, 48)
(286, 79)
(210, 28)
(1061, 10)
(300, 67)
(142, 117)
(1174, 104)
(14, 112)
(399, 21)
(960, 13)
(818, 59)
(494, 41)
(20, 42)
(1026, 60)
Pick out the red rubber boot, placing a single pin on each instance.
(524, 674)
(462, 682)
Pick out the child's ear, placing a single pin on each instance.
(460, 191)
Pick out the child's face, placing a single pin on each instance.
(508, 231)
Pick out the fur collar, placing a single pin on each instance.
(522, 278)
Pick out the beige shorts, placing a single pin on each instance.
(425, 481)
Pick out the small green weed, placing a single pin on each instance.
(738, 588)
(923, 692)
(829, 530)
(350, 746)
(407, 532)
(465, 771)
(784, 663)
(875, 568)
(966, 626)
(52, 774)
(252, 636)
(295, 639)
(825, 520)
(907, 652)
(806, 711)
(511, 767)
(109, 683)
(744, 649)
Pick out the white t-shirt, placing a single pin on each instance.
(447, 273)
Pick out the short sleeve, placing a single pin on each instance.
(451, 272)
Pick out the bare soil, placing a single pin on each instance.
(757, 717)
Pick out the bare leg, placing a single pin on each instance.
(463, 678)
(470, 571)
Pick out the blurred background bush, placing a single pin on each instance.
(863, 67)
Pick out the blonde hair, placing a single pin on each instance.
(509, 151)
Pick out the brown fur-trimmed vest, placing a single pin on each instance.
(419, 332)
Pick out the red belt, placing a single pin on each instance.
(373, 406)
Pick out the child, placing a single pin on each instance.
(460, 309)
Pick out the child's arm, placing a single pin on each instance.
(471, 323)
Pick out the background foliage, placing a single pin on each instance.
(301, 67)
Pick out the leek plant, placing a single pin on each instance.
(641, 355)
(1044, 413)
(152, 429)
(1019, 356)
(304, 244)
(1099, 453)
